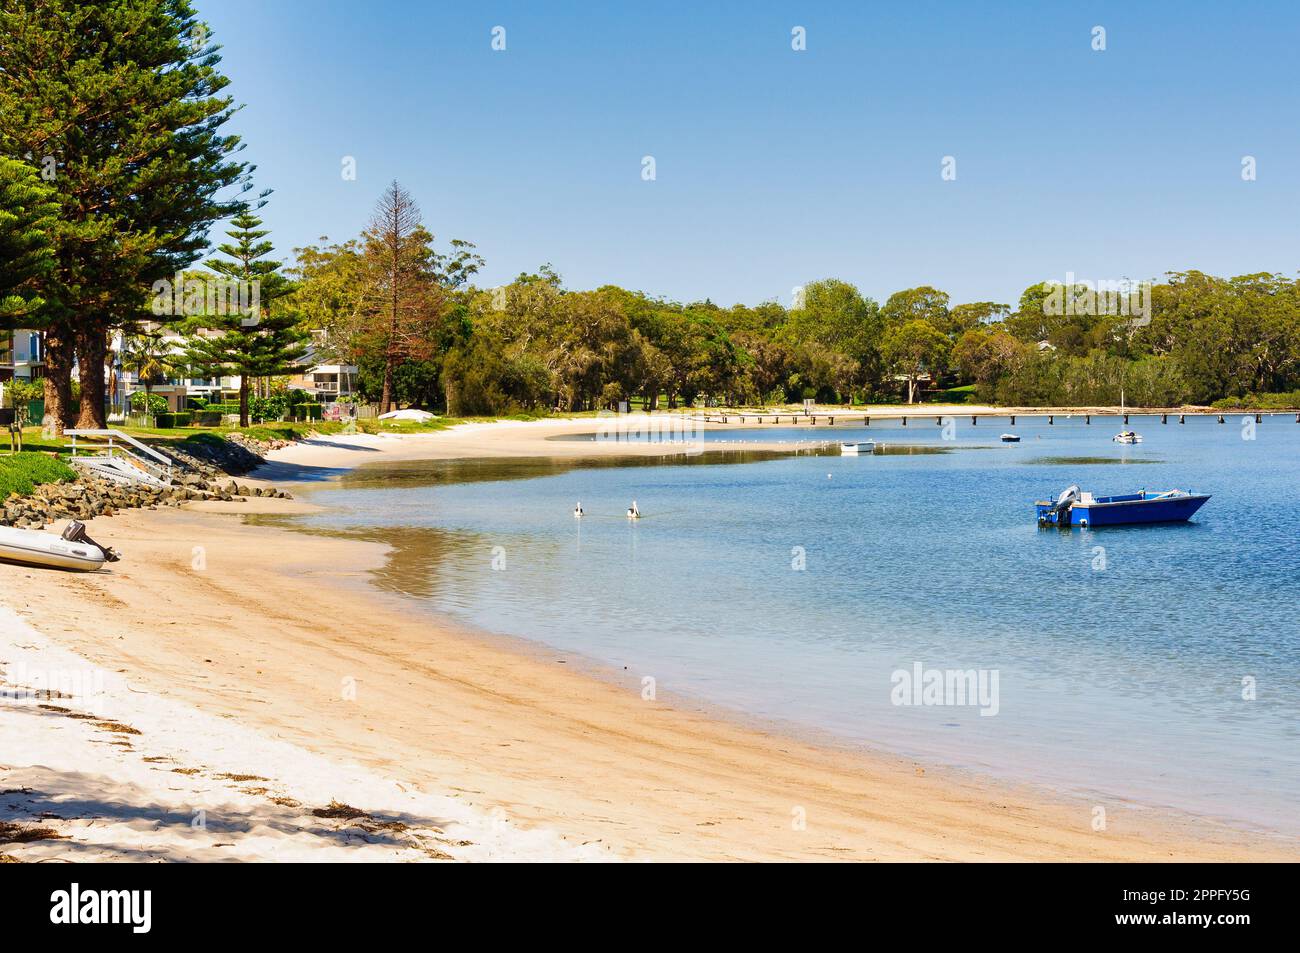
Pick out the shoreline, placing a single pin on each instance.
(517, 734)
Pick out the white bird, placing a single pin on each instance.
(577, 511)
(632, 512)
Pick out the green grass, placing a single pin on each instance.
(34, 438)
(22, 472)
(953, 395)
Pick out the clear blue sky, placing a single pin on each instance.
(777, 167)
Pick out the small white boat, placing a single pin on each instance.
(71, 550)
(853, 449)
(1127, 436)
(1010, 438)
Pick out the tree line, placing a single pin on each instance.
(533, 345)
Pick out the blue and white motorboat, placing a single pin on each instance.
(1075, 508)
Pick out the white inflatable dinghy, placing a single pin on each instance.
(71, 550)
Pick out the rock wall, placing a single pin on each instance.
(89, 497)
(203, 472)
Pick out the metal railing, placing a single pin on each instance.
(145, 457)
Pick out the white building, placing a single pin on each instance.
(21, 355)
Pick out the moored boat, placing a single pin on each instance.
(1010, 438)
(71, 550)
(1127, 436)
(853, 449)
(1076, 508)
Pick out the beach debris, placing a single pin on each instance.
(116, 727)
(11, 833)
(339, 811)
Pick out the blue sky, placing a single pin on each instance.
(776, 167)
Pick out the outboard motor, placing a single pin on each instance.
(1060, 510)
(75, 532)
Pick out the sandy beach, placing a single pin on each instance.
(305, 715)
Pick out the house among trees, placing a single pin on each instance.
(21, 355)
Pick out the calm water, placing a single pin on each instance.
(1120, 653)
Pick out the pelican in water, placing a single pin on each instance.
(632, 512)
(578, 511)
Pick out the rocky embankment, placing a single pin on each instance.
(89, 497)
(203, 472)
(233, 456)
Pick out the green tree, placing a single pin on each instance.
(985, 357)
(835, 315)
(964, 317)
(27, 211)
(923, 303)
(149, 356)
(256, 342)
(914, 348)
(121, 102)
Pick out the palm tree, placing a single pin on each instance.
(149, 356)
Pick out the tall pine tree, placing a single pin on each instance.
(265, 344)
(122, 101)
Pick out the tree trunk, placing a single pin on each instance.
(243, 400)
(58, 380)
(911, 389)
(92, 348)
(386, 397)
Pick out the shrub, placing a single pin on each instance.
(166, 421)
(305, 412)
(21, 391)
(22, 472)
(143, 403)
(267, 408)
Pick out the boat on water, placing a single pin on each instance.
(1010, 438)
(72, 549)
(853, 449)
(1127, 436)
(1076, 508)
